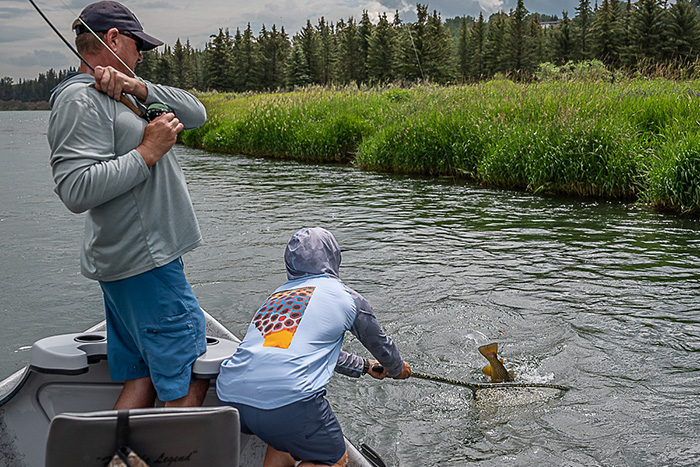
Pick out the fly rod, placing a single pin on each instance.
(124, 100)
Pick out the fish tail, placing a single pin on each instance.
(489, 348)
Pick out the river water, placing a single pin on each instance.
(599, 296)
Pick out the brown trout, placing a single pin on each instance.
(495, 368)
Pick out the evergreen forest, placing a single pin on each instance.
(645, 37)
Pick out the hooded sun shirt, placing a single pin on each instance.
(293, 344)
(138, 218)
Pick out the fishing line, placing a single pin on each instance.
(124, 100)
(70, 46)
(420, 67)
(153, 111)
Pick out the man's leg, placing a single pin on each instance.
(136, 394)
(155, 327)
(195, 396)
(343, 462)
(275, 458)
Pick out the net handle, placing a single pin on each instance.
(476, 386)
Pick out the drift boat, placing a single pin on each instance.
(57, 412)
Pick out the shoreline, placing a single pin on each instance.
(634, 140)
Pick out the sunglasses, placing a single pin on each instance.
(139, 42)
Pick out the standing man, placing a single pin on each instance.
(122, 171)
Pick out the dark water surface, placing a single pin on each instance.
(599, 296)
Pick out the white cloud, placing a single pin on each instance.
(491, 6)
(42, 58)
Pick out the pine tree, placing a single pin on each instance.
(413, 46)
(146, 69)
(477, 48)
(196, 65)
(308, 41)
(297, 72)
(246, 61)
(183, 72)
(6, 88)
(274, 49)
(583, 22)
(519, 41)
(463, 49)
(326, 52)
(350, 58)
(438, 51)
(684, 31)
(382, 53)
(219, 62)
(365, 31)
(164, 68)
(606, 33)
(496, 44)
(540, 43)
(564, 42)
(647, 28)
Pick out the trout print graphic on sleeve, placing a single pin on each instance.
(278, 318)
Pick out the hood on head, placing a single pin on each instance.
(310, 252)
(71, 78)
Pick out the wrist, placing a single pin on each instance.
(149, 157)
(365, 366)
(138, 89)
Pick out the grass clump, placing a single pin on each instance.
(633, 139)
(674, 177)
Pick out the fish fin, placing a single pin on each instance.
(487, 369)
(512, 375)
(489, 348)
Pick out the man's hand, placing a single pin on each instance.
(158, 137)
(113, 83)
(405, 372)
(374, 373)
(380, 373)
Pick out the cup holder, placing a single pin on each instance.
(212, 340)
(83, 338)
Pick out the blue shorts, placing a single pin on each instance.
(155, 328)
(308, 429)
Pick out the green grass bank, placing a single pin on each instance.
(634, 139)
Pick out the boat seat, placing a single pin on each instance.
(192, 437)
(71, 354)
(208, 364)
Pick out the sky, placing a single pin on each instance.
(28, 46)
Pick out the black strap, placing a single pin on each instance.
(122, 428)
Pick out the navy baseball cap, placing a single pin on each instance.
(105, 15)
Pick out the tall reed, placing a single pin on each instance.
(632, 139)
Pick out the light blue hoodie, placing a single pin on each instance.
(138, 218)
(317, 308)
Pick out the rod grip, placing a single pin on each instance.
(124, 100)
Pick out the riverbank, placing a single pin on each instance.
(631, 140)
(21, 105)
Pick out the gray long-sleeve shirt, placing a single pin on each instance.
(138, 218)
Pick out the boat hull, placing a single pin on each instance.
(62, 380)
